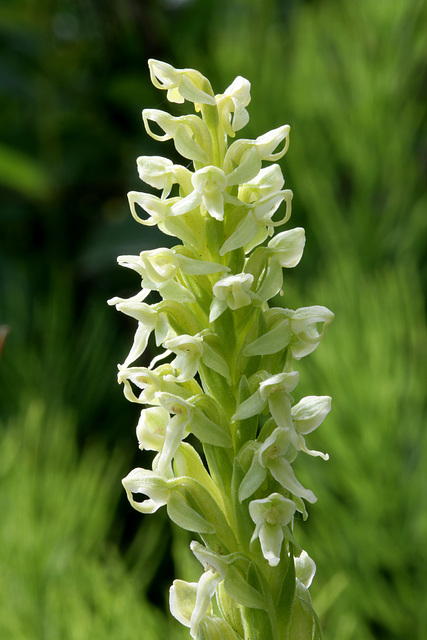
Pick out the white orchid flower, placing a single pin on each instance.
(272, 456)
(209, 184)
(188, 351)
(162, 173)
(181, 84)
(263, 195)
(148, 381)
(175, 429)
(149, 483)
(304, 325)
(307, 415)
(305, 569)
(170, 492)
(157, 209)
(271, 515)
(274, 392)
(233, 292)
(243, 159)
(189, 133)
(159, 269)
(233, 101)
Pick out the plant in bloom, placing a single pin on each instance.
(218, 408)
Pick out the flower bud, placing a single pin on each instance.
(310, 412)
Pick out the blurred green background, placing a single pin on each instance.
(351, 79)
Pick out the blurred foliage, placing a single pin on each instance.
(59, 577)
(368, 530)
(350, 78)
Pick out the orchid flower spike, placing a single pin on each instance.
(213, 361)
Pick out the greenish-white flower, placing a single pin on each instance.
(170, 492)
(150, 484)
(235, 581)
(307, 415)
(188, 351)
(233, 101)
(142, 378)
(181, 84)
(189, 134)
(272, 391)
(258, 224)
(162, 173)
(304, 325)
(243, 160)
(187, 417)
(182, 601)
(305, 569)
(275, 456)
(175, 430)
(158, 209)
(269, 180)
(159, 269)
(232, 291)
(209, 191)
(271, 515)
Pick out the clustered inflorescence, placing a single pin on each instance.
(218, 409)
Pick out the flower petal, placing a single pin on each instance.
(182, 598)
(289, 246)
(282, 471)
(151, 428)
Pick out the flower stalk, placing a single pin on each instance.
(218, 406)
